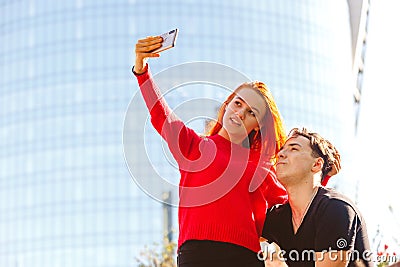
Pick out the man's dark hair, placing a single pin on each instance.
(321, 147)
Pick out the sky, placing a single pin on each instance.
(376, 147)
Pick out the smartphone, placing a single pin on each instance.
(169, 39)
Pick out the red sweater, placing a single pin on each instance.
(223, 194)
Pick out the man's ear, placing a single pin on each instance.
(318, 164)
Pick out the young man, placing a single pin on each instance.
(318, 226)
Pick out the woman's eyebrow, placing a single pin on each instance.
(253, 108)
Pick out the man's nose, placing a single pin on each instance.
(281, 154)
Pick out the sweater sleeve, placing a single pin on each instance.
(268, 194)
(179, 137)
(274, 191)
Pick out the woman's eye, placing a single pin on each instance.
(252, 113)
(237, 103)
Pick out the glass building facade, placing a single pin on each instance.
(66, 195)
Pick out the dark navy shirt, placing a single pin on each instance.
(331, 223)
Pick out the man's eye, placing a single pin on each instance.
(237, 103)
(252, 113)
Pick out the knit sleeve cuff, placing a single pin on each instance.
(139, 74)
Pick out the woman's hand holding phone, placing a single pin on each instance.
(151, 47)
(143, 50)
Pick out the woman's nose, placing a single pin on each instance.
(240, 113)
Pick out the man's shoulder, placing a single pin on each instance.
(331, 199)
(279, 209)
(330, 194)
(276, 217)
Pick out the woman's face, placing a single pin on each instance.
(243, 114)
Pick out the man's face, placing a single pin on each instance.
(295, 161)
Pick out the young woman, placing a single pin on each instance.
(227, 178)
